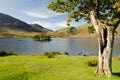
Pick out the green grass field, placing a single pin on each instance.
(62, 67)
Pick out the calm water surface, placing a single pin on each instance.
(72, 45)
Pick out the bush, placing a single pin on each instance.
(65, 53)
(3, 53)
(92, 62)
(42, 37)
(45, 53)
(56, 53)
(51, 54)
(11, 53)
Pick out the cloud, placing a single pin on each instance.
(37, 15)
(51, 25)
(63, 24)
(41, 13)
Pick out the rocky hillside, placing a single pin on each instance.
(9, 22)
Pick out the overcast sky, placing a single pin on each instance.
(35, 11)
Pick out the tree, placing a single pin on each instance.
(105, 18)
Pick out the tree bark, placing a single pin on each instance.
(105, 41)
(105, 52)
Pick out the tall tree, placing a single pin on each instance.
(105, 17)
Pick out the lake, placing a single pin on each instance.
(73, 46)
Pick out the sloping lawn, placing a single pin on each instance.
(37, 67)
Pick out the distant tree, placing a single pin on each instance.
(71, 29)
(105, 18)
(91, 29)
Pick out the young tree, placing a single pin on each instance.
(105, 17)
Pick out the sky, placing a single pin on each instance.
(36, 11)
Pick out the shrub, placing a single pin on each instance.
(92, 62)
(65, 53)
(3, 53)
(42, 37)
(45, 53)
(11, 53)
(56, 53)
(51, 54)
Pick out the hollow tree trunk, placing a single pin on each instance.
(105, 51)
(105, 42)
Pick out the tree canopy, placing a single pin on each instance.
(105, 17)
(108, 11)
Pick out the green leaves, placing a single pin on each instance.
(113, 22)
(117, 6)
(91, 29)
(106, 10)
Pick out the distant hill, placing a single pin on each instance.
(12, 27)
(9, 22)
(40, 28)
(80, 31)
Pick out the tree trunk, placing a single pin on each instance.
(105, 51)
(105, 41)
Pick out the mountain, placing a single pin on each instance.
(40, 28)
(9, 22)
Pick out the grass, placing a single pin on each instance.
(8, 33)
(61, 67)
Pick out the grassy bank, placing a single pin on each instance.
(8, 33)
(62, 67)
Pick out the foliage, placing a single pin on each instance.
(91, 29)
(65, 53)
(54, 53)
(42, 37)
(3, 53)
(104, 16)
(27, 67)
(51, 54)
(92, 62)
(71, 29)
(108, 12)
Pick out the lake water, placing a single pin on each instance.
(71, 45)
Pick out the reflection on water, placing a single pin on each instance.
(71, 45)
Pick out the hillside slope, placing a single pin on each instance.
(40, 28)
(12, 27)
(80, 31)
(9, 22)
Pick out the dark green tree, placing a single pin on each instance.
(105, 18)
